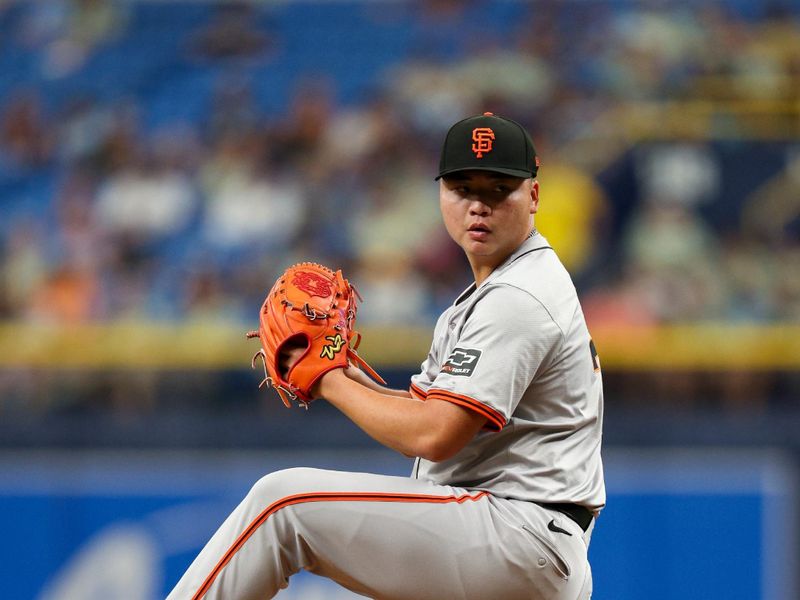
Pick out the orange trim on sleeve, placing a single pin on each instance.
(323, 497)
(495, 420)
(417, 391)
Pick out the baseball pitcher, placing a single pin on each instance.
(504, 419)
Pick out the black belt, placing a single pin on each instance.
(580, 514)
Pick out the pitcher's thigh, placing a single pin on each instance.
(399, 538)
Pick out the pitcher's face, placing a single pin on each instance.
(488, 214)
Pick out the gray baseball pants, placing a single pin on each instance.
(389, 538)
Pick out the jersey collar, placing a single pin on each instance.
(534, 241)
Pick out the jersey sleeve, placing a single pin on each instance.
(422, 381)
(508, 337)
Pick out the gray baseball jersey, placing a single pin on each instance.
(517, 351)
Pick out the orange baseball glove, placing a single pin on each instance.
(309, 306)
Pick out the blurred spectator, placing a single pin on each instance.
(70, 31)
(128, 279)
(669, 246)
(356, 137)
(294, 141)
(751, 276)
(788, 282)
(248, 203)
(400, 215)
(94, 21)
(233, 109)
(630, 301)
(84, 128)
(231, 33)
(80, 241)
(430, 94)
(25, 137)
(440, 261)
(96, 137)
(206, 297)
(394, 294)
(68, 295)
(443, 30)
(678, 173)
(772, 212)
(24, 266)
(522, 79)
(664, 235)
(653, 45)
(146, 199)
(121, 143)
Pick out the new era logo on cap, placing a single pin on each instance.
(488, 142)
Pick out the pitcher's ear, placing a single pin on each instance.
(534, 196)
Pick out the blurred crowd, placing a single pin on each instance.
(108, 213)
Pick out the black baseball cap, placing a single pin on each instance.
(488, 143)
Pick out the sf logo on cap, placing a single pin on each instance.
(482, 138)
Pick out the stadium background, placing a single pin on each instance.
(161, 162)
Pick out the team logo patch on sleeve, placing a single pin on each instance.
(462, 362)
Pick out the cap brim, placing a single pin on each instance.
(513, 172)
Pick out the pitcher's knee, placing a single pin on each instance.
(283, 484)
